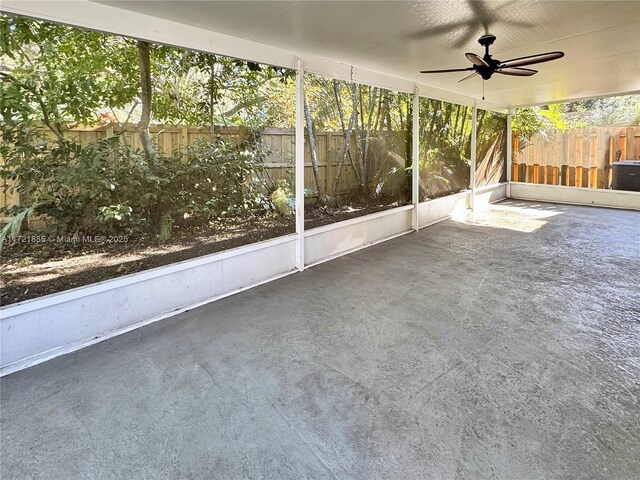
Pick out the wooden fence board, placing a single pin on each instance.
(279, 142)
(574, 157)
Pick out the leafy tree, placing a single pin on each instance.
(527, 122)
(57, 76)
(65, 75)
(445, 134)
(617, 110)
(196, 88)
(60, 75)
(375, 125)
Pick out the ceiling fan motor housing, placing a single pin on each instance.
(487, 40)
(486, 72)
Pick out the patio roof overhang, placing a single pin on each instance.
(386, 43)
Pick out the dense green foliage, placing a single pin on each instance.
(445, 147)
(60, 75)
(375, 124)
(55, 77)
(109, 187)
(619, 110)
(64, 75)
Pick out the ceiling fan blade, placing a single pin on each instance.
(468, 77)
(448, 71)
(476, 60)
(531, 59)
(517, 72)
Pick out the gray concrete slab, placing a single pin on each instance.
(508, 348)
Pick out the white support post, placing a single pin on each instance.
(474, 131)
(415, 162)
(509, 152)
(299, 166)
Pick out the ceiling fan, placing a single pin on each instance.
(486, 65)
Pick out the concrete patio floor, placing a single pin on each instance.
(507, 349)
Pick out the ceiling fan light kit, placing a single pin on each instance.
(486, 65)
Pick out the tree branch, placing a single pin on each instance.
(243, 105)
(123, 125)
(144, 63)
(54, 127)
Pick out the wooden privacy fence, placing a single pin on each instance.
(280, 142)
(579, 157)
(574, 157)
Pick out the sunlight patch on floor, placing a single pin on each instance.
(520, 218)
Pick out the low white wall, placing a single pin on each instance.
(576, 195)
(436, 210)
(42, 328)
(439, 209)
(490, 194)
(330, 241)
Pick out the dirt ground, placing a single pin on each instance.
(40, 264)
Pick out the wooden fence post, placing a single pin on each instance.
(610, 160)
(578, 159)
(623, 145)
(184, 137)
(328, 160)
(515, 146)
(578, 175)
(632, 144)
(564, 173)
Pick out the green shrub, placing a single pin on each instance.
(218, 178)
(73, 185)
(282, 198)
(108, 187)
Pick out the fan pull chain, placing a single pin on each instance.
(483, 88)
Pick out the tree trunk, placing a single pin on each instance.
(367, 138)
(161, 221)
(145, 97)
(312, 147)
(347, 137)
(434, 114)
(407, 128)
(455, 122)
(354, 101)
(376, 124)
(463, 121)
(479, 144)
(212, 99)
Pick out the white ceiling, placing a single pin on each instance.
(601, 39)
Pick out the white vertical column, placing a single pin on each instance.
(415, 161)
(299, 166)
(509, 152)
(474, 131)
